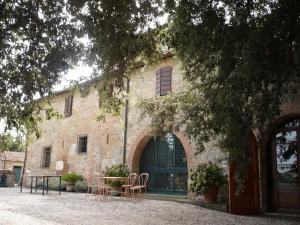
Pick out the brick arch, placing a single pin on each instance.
(137, 149)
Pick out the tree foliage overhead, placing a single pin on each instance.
(118, 32)
(240, 60)
(37, 45)
(10, 143)
(119, 36)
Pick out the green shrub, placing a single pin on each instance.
(118, 170)
(205, 176)
(81, 186)
(71, 177)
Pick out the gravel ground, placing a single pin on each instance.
(72, 208)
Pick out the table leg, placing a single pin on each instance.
(31, 185)
(36, 184)
(59, 185)
(43, 185)
(47, 184)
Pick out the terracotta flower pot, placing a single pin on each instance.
(70, 186)
(211, 195)
(116, 190)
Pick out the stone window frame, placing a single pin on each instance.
(79, 138)
(45, 164)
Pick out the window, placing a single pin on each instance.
(287, 152)
(68, 105)
(82, 143)
(46, 157)
(163, 81)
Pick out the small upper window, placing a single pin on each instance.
(82, 144)
(46, 157)
(163, 81)
(68, 105)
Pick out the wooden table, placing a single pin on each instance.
(114, 178)
(44, 178)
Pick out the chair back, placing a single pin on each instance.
(101, 182)
(90, 180)
(132, 178)
(143, 179)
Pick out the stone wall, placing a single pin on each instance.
(105, 140)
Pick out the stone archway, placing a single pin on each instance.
(138, 146)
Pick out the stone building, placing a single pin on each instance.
(12, 163)
(87, 146)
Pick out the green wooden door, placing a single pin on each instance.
(17, 170)
(165, 161)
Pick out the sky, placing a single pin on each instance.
(78, 73)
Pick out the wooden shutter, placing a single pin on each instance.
(111, 90)
(68, 105)
(163, 81)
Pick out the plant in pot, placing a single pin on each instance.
(70, 180)
(206, 179)
(118, 170)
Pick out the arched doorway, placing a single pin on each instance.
(165, 160)
(284, 161)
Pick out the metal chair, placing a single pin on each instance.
(91, 185)
(130, 183)
(103, 189)
(143, 179)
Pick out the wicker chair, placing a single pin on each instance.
(125, 188)
(143, 179)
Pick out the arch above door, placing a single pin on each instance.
(140, 142)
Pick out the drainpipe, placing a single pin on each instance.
(126, 120)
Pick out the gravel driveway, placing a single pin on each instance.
(71, 208)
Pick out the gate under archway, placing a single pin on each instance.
(165, 160)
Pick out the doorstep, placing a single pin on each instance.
(294, 217)
(183, 199)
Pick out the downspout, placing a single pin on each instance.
(126, 120)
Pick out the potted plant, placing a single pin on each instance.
(118, 170)
(70, 180)
(206, 180)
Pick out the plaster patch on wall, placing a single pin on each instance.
(117, 155)
(105, 163)
(98, 157)
(72, 150)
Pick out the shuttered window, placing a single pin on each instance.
(163, 81)
(82, 143)
(46, 157)
(111, 90)
(68, 105)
